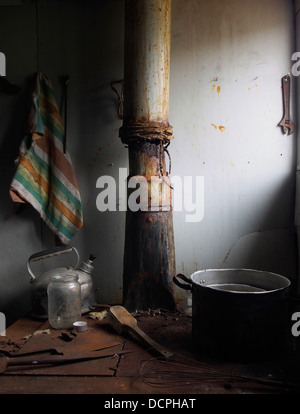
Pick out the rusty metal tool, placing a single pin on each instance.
(51, 351)
(286, 123)
(6, 362)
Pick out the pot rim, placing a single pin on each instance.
(201, 283)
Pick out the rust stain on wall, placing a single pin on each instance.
(213, 87)
(221, 127)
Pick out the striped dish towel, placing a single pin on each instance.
(44, 175)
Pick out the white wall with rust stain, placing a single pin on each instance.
(228, 59)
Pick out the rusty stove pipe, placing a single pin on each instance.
(149, 254)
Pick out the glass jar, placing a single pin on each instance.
(64, 301)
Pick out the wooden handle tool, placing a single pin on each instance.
(121, 320)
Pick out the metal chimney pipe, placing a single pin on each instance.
(149, 253)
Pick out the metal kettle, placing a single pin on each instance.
(39, 285)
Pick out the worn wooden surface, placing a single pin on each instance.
(137, 372)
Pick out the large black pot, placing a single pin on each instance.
(238, 314)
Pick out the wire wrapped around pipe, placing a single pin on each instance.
(146, 131)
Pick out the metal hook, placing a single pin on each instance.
(120, 96)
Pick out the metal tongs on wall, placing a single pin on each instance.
(286, 123)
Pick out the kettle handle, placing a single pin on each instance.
(48, 253)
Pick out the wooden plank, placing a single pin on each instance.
(119, 385)
(70, 342)
(98, 336)
(135, 373)
(17, 334)
(23, 327)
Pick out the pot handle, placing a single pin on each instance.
(48, 253)
(185, 286)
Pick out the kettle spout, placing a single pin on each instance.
(87, 266)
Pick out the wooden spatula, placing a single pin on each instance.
(122, 321)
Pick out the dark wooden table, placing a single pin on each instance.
(138, 372)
